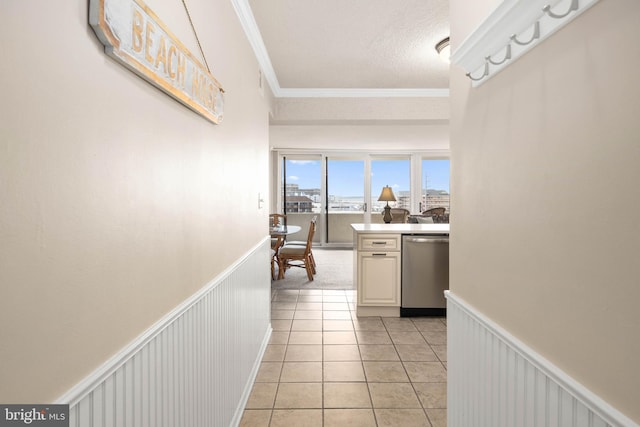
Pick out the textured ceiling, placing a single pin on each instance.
(354, 44)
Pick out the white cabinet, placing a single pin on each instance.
(378, 270)
(379, 278)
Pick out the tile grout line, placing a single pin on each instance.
(387, 329)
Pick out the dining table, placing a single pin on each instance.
(284, 230)
(279, 234)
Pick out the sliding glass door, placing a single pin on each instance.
(301, 193)
(354, 186)
(395, 173)
(435, 185)
(346, 203)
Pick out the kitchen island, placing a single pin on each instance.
(378, 264)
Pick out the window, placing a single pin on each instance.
(435, 185)
(301, 185)
(343, 188)
(395, 173)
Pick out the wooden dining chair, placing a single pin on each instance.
(302, 243)
(434, 212)
(291, 255)
(399, 215)
(277, 219)
(275, 248)
(273, 265)
(438, 214)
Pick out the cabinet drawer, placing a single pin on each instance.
(379, 242)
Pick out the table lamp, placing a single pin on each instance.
(387, 196)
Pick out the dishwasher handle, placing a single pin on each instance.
(426, 240)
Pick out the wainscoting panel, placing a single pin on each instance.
(495, 380)
(195, 367)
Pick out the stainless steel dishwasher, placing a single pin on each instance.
(425, 274)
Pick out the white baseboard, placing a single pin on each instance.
(252, 379)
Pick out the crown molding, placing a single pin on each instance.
(250, 27)
(511, 30)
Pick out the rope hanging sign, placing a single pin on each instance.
(133, 35)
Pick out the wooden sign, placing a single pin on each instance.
(134, 36)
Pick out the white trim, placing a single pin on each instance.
(363, 93)
(251, 30)
(250, 27)
(252, 379)
(594, 403)
(108, 368)
(435, 153)
(511, 17)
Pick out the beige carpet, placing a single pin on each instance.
(334, 271)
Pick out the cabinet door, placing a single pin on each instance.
(379, 278)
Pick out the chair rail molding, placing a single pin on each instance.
(511, 30)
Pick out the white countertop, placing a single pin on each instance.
(401, 228)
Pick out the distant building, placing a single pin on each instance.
(309, 199)
(403, 200)
(298, 204)
(295, 190)
(435, 199)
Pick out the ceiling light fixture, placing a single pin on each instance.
(443, 49)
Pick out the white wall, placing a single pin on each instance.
(545, 172)
(328, 110)
(386, 137)
(116, 201)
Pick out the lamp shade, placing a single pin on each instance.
(387, 195)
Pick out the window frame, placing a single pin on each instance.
(415, 171)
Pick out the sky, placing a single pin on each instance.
(346, 177)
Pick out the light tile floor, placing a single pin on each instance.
(326, 367)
